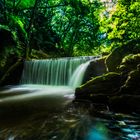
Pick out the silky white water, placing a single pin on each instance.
(48, 84)
(56, 72)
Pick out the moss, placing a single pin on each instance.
(116, 56)
(105, 85)
(132, 83)
(95, 68)
(129, 63)
(35, 54)
(105, 77)
(133, 79)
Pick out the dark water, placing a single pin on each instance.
(37, 113)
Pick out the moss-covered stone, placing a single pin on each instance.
(95, 68)
(129, 63)
(107, 84)
(103, 78)
(115, 58)
(132, 84)
(120, 88)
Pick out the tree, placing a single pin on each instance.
(124, 23)
(77, 24)
(64, 26)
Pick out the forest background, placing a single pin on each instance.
(61, 28)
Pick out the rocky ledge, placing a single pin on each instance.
(119, 90)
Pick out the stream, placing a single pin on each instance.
(37, 112)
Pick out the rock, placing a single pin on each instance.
(105, 85)
(132, 84)
(125, 103)
(95, 68)
(120, 87)
(129, 63)
(115, 58)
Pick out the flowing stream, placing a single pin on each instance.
(41, 107)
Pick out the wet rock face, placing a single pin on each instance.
(125, 103)
(129, 63)
(95, 68)
(120, 91)
(132, 84)
(115, 58)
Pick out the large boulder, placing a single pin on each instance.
(115, 58)
(129, 63)
(119, 90)
(95, 68)
(132, 84)
(100, 87)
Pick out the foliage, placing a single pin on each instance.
(62, 26)
(123, 23)
(72, 27)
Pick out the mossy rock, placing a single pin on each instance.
(103, 78)
(132, 84)
(129, 63)
(115, 58)
(95, 68)
(107, 84)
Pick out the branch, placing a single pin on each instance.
(54, 6)
(32, 15)
(9, 71)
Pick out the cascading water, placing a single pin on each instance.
(78, 75)
(55, 72)
(47, 83)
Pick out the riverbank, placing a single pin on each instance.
(119, 86)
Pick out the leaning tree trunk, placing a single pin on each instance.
(13, 74)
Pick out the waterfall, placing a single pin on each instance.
(62, 71)
(78, 75)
